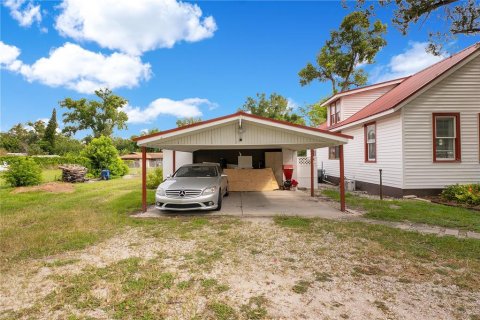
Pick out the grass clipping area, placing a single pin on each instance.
(81, 256)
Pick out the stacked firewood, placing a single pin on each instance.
(73, 173)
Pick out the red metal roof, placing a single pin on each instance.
(409, 86)
(323, 126)
(247, 115)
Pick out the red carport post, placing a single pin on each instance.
(174, 160)
(312, 175)
(144, 179)
(342, 180)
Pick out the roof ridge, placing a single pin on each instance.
(446, 58)
(406, 82)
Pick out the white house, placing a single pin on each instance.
(422, 131)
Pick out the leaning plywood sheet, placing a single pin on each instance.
(251, 179)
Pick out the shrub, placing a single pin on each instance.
(103, 155)
(154, 178)
(23, 172)
(49, 162)
(466, 193)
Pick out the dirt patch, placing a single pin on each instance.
(248, 270)
(54, 187)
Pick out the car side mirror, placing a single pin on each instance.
(169, 176)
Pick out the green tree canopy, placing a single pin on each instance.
(461, 17)
(274, 107)
(49, 137)
(102, 117)
(356, 42)
(315, 113)
(186, 121)
(24, 138)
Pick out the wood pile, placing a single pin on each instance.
(73, 173)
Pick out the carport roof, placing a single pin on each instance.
(314, 132)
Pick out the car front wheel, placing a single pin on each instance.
(219, 202)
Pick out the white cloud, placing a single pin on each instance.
(78, 69)
(24, 11)
(134, 26)
(8, 57)
(413, 59)
(163, 106)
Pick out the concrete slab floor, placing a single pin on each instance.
(262, 204)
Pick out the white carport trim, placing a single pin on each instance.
(146, 140)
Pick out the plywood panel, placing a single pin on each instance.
(251, 179)
(274, 160)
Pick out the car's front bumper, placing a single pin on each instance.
(203, 202)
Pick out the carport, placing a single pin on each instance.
(243, 131)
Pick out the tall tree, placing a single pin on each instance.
(461, 17)
(315, 113)
(102, 117)
(274, 107)
(186, 121)
(356, 42)
(50, 133)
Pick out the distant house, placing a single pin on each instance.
(422, 131)
(154, 159)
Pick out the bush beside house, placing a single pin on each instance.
(466, 194)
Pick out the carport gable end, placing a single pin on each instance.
(241, 131)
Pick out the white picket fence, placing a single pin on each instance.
(303, 171)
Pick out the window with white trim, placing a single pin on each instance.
(371, 142)
(446, 135)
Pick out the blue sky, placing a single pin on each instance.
(201, 58)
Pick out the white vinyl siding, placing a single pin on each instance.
(389, 154)
(351, 104)
(459, 92)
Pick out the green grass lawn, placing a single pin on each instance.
(413, 211)
(154, 265)
(54, 222)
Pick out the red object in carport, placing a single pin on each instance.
(288, 171)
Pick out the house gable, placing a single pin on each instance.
(458, 93)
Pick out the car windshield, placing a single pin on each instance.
(196, 171)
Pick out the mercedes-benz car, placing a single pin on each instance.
(199, 186)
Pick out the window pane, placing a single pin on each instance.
(371, 151)
(371, 133)
(445, 148)
(445, 127)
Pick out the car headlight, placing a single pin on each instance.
(160, 192)
(209, 190)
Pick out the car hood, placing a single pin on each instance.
(188, 183)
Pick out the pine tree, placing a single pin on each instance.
(50, 133)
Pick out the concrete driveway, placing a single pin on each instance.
(263, 204)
